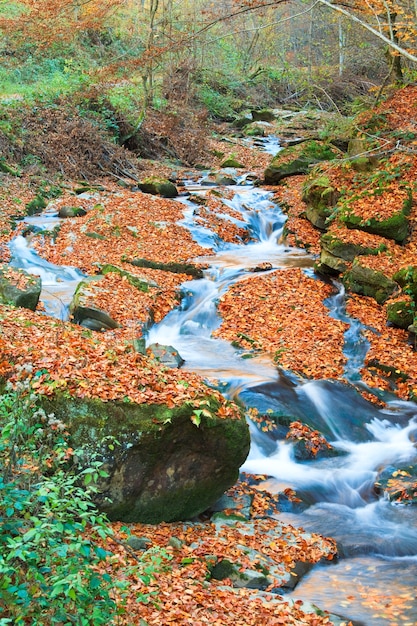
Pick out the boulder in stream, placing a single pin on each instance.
(158, 186)
(71, 211)
(166, 355)
(163, 463)
(18, 288)
(298, 160)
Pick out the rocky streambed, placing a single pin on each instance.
(328, 440)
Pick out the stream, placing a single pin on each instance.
(374, 581)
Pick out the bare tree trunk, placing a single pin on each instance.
(148, 76)
(342, 43)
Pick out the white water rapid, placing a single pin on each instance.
(58, 282)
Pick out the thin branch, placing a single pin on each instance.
(357, 20)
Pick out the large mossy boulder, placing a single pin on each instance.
(163, 464)
(158, 186)
(369, 282)
(337, 253)
(18, 288)
(298, 160)
(401, 313)
(393, 227)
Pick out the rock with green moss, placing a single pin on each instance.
(406, 277)
(8, 169)
(394, 227)
(401, 313)
(362, 160)
(254, 130)
(175, 268)
(158, 186)
(298, 160)
(18, 288)
(140, 282)
(36, 205)
(232, 162)
(241, 122)
(336, 254)
(71, 211)
(83, 310)
(263, 115)
(320, 197)
(368, 282)
(346, 250)
(161, 466)
(330, 263)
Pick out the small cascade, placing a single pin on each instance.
(356, 345)
(58, 282)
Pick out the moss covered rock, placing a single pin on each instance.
(361, 158)
(83, 310)
(142, 283)
(18, 288)
(176, 268)
(263, 115)
(336, 254)
(330, 263)
(401, 313)
(232, 162)
(368, 282)
(158, 186)
(320, 197)
(161, 466)
(347, 250)
(394, 227)
(298, 160)
(406, 277)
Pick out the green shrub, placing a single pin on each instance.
(50, 531)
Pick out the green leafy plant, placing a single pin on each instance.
(51, 534)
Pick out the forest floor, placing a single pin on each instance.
(272, 309)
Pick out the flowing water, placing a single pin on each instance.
(58, 282)
(374, 581)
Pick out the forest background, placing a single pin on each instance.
(113, 59)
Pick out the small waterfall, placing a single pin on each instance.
(58, 282)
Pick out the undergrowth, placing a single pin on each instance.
(53, 567)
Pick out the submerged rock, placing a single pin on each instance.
(166, 355)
